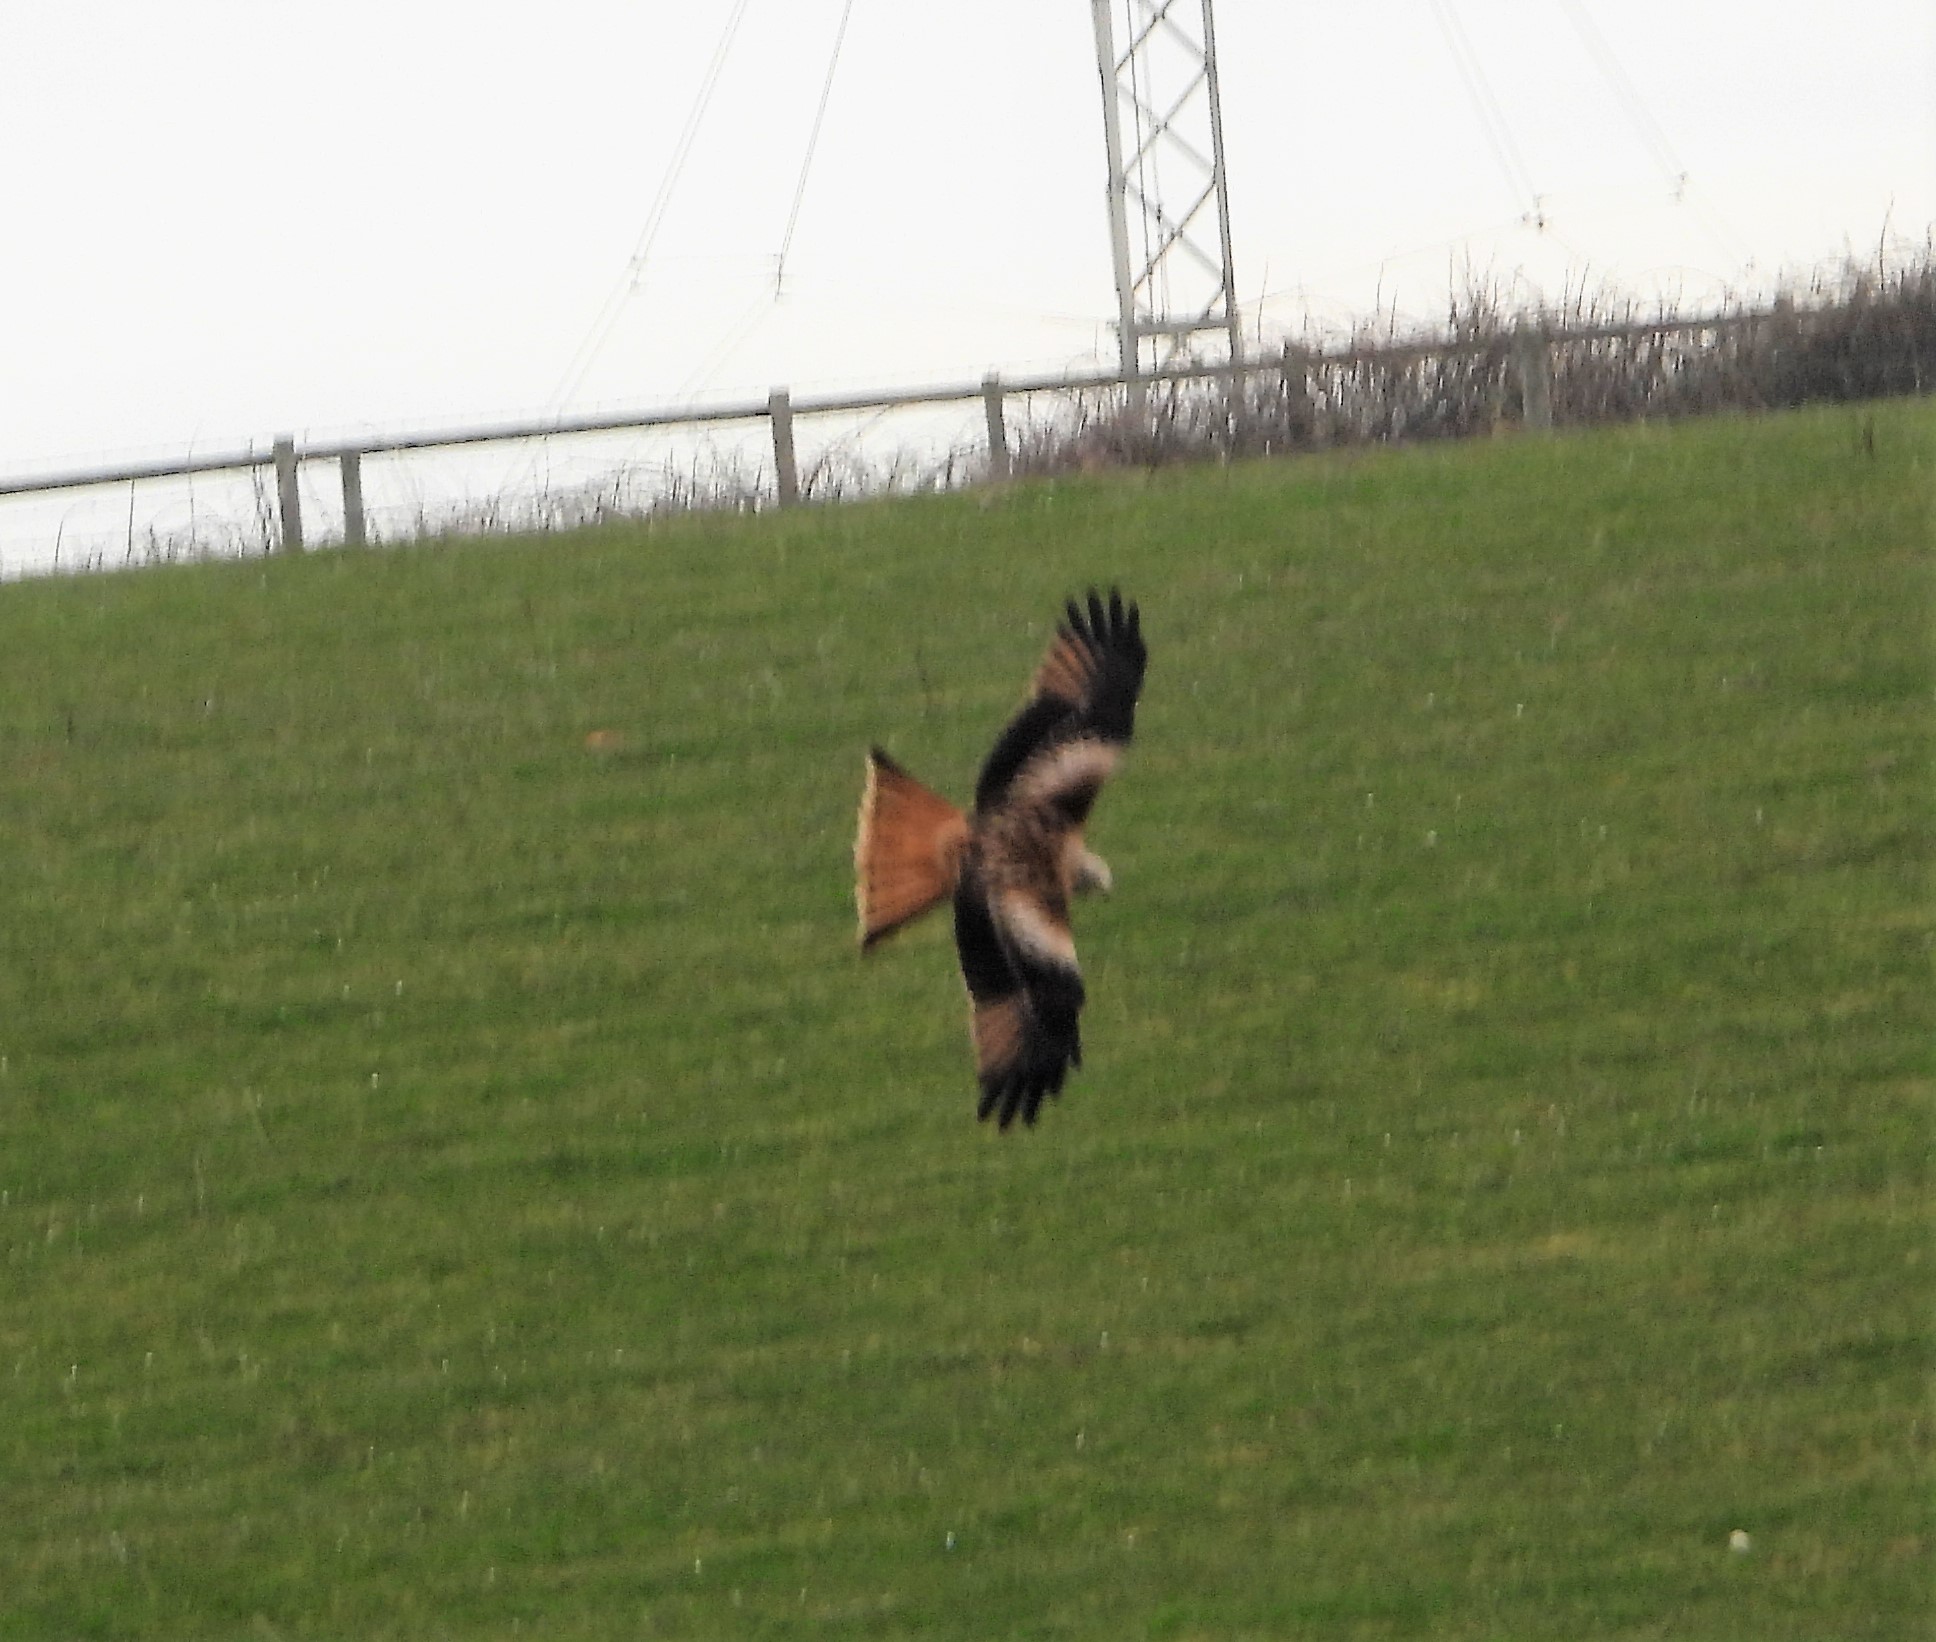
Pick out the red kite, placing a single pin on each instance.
(1012, 865)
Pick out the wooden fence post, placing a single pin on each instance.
(288, 497)
(991, 399)
(354, 533)
(779, 407)
(1297, 390)
(1533, 359)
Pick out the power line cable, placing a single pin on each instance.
(1627, 95)
(1492, 118)
(1652, 137)
(813, 141)
(749, 321)
(634, 272)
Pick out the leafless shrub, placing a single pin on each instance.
(1857, 331)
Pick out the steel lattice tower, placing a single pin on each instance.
(1163, 126)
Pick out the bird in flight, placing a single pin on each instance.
(1013, 863)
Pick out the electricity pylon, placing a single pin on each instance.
(1162, 121)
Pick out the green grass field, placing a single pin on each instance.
(457, 1181)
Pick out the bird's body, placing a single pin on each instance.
(1013, 864)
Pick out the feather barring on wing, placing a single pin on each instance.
(1013, 864)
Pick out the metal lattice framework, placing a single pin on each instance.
(1169, 208)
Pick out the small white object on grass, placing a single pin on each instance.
(951, 1539)
(1739, 1543)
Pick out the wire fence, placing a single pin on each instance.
(1872, 335)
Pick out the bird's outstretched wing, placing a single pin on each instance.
(1024, 1000)
(1036, 789)
(1080, 714)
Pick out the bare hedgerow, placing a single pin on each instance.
(1857, 331)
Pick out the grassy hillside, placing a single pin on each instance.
(457, 1179)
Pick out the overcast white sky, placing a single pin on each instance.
(225, 219)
